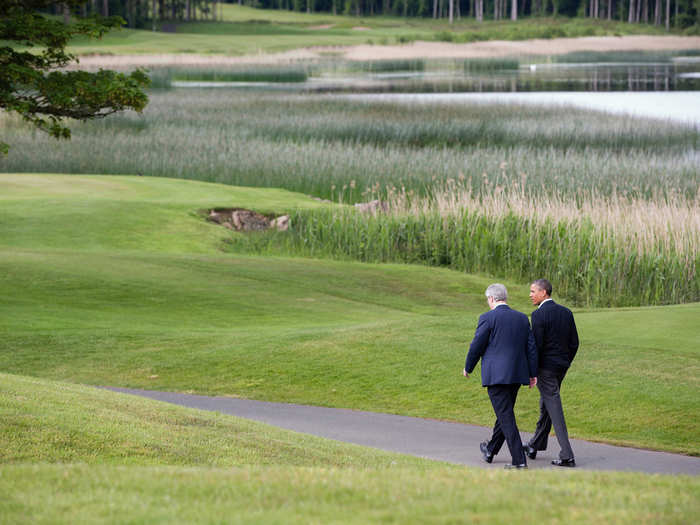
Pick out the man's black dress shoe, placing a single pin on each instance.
(530, 452)
(485, 452)
(511, 466)
(564, 462)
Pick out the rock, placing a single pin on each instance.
(372, 207)
(281, 223)
(216, 217)
(236, 221)
(246, 220)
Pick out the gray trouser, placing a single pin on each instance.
(551, 413)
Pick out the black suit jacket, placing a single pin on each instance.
(504, 343)
(555, 334)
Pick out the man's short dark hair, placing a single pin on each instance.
(543, 284)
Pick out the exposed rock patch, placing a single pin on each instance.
(240, 219)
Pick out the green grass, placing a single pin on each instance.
(125, 213)
(71, 453)
(276, 31)
(52, 422)
(388, 338)
(119, 281)
(107, 494)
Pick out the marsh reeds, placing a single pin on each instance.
(164, 77)
(490, 65)
(606, 205)
(601, 251)
(385, 66)
(317, 145)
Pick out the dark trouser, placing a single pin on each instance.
(551, 413)
(503, 401)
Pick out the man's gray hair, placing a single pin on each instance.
(497, 291)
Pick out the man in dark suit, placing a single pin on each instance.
(505, 345)
(557, 342)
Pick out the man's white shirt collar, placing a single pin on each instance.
(548, 299)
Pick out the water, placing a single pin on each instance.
(676, 76)
(682, 74)
(666, 89)
(677, 106)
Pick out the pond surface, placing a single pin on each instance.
(675, 76)
(667, 89)
(681, 74)
(679, 106)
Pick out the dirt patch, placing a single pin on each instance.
(242, 220)
(360, 28)
(499, 48)
(321, 27)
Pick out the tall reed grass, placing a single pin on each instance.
(385, 66)
(601, 251)
(163, 77)
(320, 145)
(480, 65)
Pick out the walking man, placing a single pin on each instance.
(557, 342)
(504, 343)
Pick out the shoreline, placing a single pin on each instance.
(414, 50)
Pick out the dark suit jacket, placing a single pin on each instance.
(555, 335)
(504, 343)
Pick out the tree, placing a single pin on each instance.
(34, 85)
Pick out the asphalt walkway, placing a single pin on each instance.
(439, 440)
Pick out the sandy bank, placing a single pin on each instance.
(495, 48)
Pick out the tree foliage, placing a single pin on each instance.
(33, 81)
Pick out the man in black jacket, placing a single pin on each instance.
(556, 337)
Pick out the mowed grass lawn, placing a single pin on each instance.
(76, 454)
(119, 281)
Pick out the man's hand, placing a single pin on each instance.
(533, 382)
(465, 373)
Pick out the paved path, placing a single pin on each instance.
(451, 442)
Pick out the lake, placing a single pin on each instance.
(679, 106)
(667, 88)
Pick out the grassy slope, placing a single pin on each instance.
(51, 422)
(73, 454)
(120, 213)
(88, 307)
(282, 30)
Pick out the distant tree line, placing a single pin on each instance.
(153, 14)
(160, 13)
